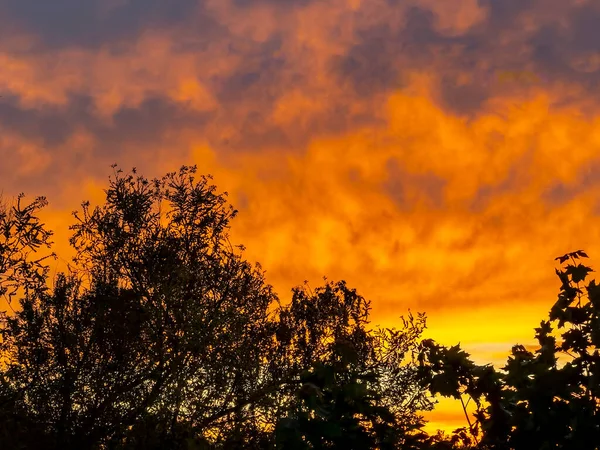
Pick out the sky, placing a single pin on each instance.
(437, 155)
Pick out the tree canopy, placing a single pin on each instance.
(543, 398)
(160, 335)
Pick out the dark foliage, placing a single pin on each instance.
(548, 398)
(162, 336)
(22, 234)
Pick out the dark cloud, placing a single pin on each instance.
(368, 68)
(281, 3)
(554, 49)
(374, 64)
(407, 188)
(91, 23)
(584, 33)
(504, 14)
(419, 28)
(379, 62)
(384, 53)
(256, 130)
(155, 123)
(152, 120)
(463, 99)
(259, 75)
(52, 125)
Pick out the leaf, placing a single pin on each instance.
(593, 292)
(578, 273)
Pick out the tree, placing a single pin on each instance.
(162, 336)
(22, 234)
(23, 237)
(548, 398)
(358, 387)
(161, 319)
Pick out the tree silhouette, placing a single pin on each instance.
(162, 318)
(22, 234)
(545, 399)
(359, 389)
(162, 336)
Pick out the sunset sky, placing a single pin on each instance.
(435, 154)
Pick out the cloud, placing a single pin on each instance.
(413, 89)
(47, 145)
(91, 24)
